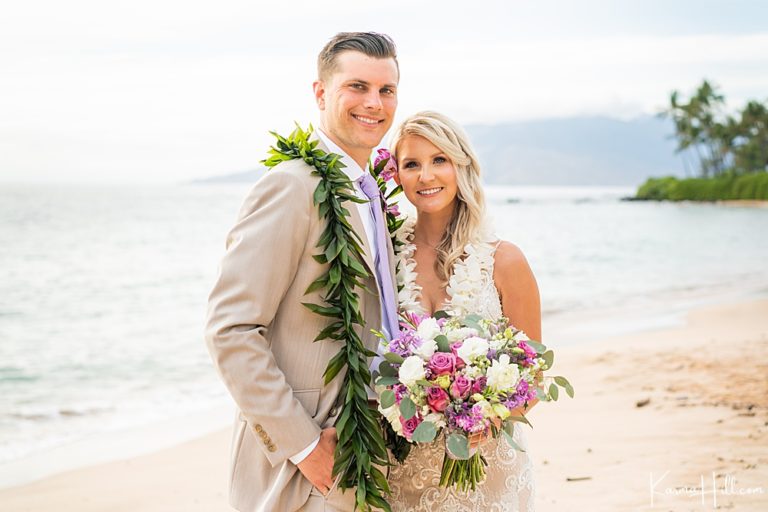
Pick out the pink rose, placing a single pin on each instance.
(459, 361)
(461, 387)
(410, 425)
(437, 398)
(442, 363)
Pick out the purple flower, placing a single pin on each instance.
(461, 387)
(437, 398)
(393, 209)
(442, 363)
(390, 168)
(470, 420)
(400, 391)
(410, 425)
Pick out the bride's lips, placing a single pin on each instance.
(367, 120)
(428, 192)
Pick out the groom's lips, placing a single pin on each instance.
(367, 120)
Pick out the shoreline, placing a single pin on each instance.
(692, 423)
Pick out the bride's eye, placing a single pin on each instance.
(410, 165)
(440, 160)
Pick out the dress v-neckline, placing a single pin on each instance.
(419, 289)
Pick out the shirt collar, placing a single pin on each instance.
(352, 169)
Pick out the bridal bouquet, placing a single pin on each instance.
(461, 376)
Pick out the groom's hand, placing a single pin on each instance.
(318, 465)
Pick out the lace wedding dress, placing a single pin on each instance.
(509, 485)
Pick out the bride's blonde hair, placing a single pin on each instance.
(467, 222)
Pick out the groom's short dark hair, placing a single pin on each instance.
(372, 44)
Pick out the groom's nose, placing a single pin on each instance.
(372, 100)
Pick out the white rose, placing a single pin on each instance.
(471, 348)
(428, 329)
(392, 413)
(502, 375)
(472, 372)
(460, 333)
(426, 350)
(411, 370)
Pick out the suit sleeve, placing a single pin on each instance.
(262, 256)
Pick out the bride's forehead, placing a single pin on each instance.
(416, 146)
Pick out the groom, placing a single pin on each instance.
(259, 334)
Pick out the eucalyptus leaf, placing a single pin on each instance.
(540, 348)
(407, 408)
(511, 441)
(553, 391)
(440, 314)
(569, 390)
(394, 358)
(387, 399)
(424, 433)
(386, 381)
(387, 370)
(549, 358)
(442, 343)
(458, 445)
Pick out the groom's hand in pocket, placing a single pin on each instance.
(318, 465)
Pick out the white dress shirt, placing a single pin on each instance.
(354, 172)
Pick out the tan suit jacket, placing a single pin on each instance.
(260, 338)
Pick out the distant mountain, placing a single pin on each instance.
(575, 151)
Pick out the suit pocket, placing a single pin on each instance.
(308, 398)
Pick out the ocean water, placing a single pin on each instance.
(103, 289)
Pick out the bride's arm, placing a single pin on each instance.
(519, 292)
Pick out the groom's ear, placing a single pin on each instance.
(319, 88)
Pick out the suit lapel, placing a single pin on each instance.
(357, 224)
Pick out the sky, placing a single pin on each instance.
(167, 91)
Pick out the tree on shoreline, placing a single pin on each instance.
(721, 143)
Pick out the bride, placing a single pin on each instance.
(450, 262)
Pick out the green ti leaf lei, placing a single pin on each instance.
(361, 445)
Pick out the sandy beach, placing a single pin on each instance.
(657, 416)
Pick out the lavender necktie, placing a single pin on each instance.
(388, 304)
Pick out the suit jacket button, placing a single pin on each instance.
(333, 411)
(258, 428)
(271, 448)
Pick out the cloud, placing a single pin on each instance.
(169, 91)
